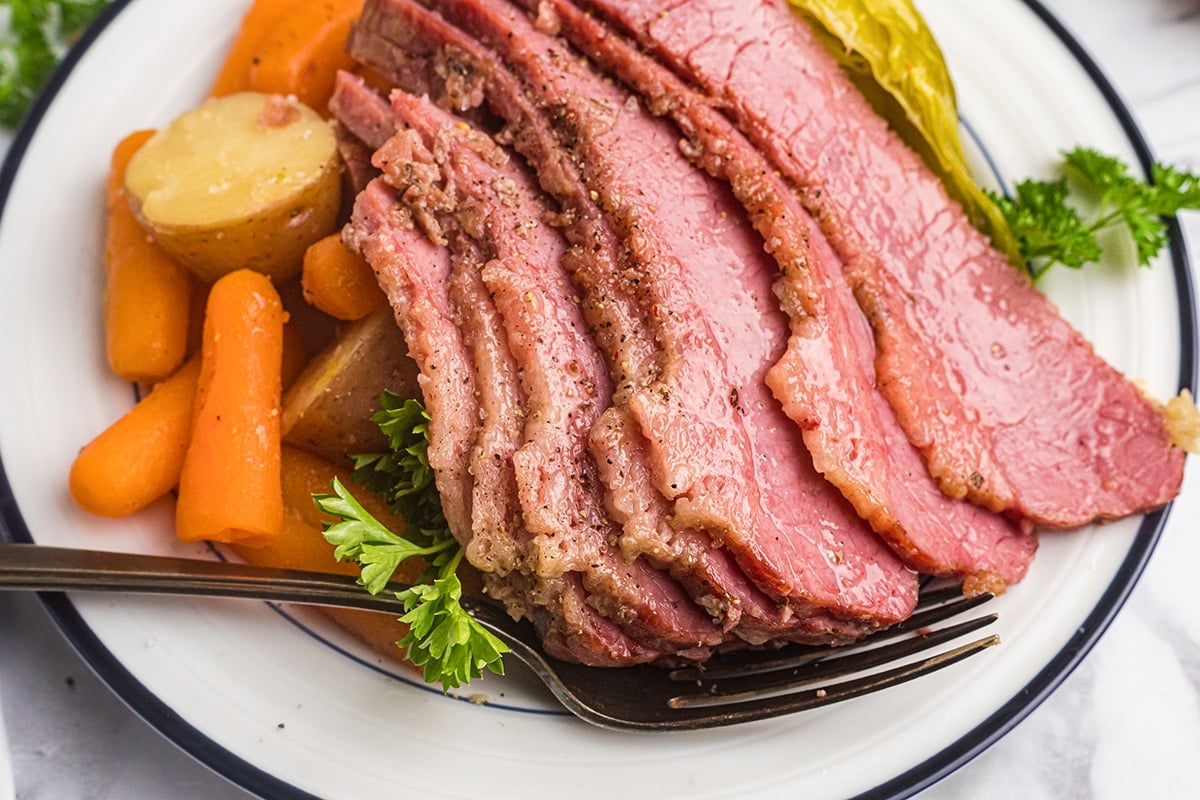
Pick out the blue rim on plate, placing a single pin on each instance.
(253, 779)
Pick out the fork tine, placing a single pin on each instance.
(715, 715)
(758, 683)
(935, 609)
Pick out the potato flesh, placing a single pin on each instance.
(219, 162)
(246, 180)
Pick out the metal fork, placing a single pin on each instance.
(730, 688)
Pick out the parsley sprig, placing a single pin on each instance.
(39, 32)
(443, 639)
(1050, 229)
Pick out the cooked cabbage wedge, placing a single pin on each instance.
(893, 58)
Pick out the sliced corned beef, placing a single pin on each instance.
(563, 373)
(1010, 406)
(410, 168)
(755, 489)
(412, 272)
(572, 630)
(362, 111)
(712, 577)
(711, 574)
(496, 514)
(663, 621)
(428, 162)
(356, 158)
(826, 379)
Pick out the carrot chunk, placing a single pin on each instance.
(304, 51)
(229, 489)
(147, 295)
(339, 281)
(259, 21)
(302, 545)
(138, 458)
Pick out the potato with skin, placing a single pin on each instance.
(327, 410)
(249, 180)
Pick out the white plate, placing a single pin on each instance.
(285, 705)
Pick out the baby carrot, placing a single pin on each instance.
(302, 545)
(147, 295)
(138, 458)
(339, 281)
(121, 155)
(260, 19)
(229, 489)
(304, 52)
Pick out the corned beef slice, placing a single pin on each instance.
(412, 272)
(362, 111)
(415, 27)
(823, 558)
(1010, 406)
(562, 375)
(711, 574)
(567, 384)
(826, 378)
(403, 257)
(648, 606)
(495, 512)
(538, 443)
(566, 615)
(617, 325)
(356, 158)
(410, 168)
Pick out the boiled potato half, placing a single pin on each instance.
(327, 410)
(248, 180)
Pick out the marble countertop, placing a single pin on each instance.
(1126, 723)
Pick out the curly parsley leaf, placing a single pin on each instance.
(443, 639)
(39, 33)
(1047, 230)
(359, 536)
(403, 476)
(1050, 229)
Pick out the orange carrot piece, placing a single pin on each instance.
(339, 281)
(304, 52)
(147, 295)
(302, 545)
(259, 21)
(138, 458)
(122, 154)
(229, 489)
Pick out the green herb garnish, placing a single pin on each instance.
(443, 639)
(39, 33)
(1051, 230)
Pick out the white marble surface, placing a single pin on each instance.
(1125, 724)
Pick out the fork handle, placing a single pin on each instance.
(38, 567)
(35, 567)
